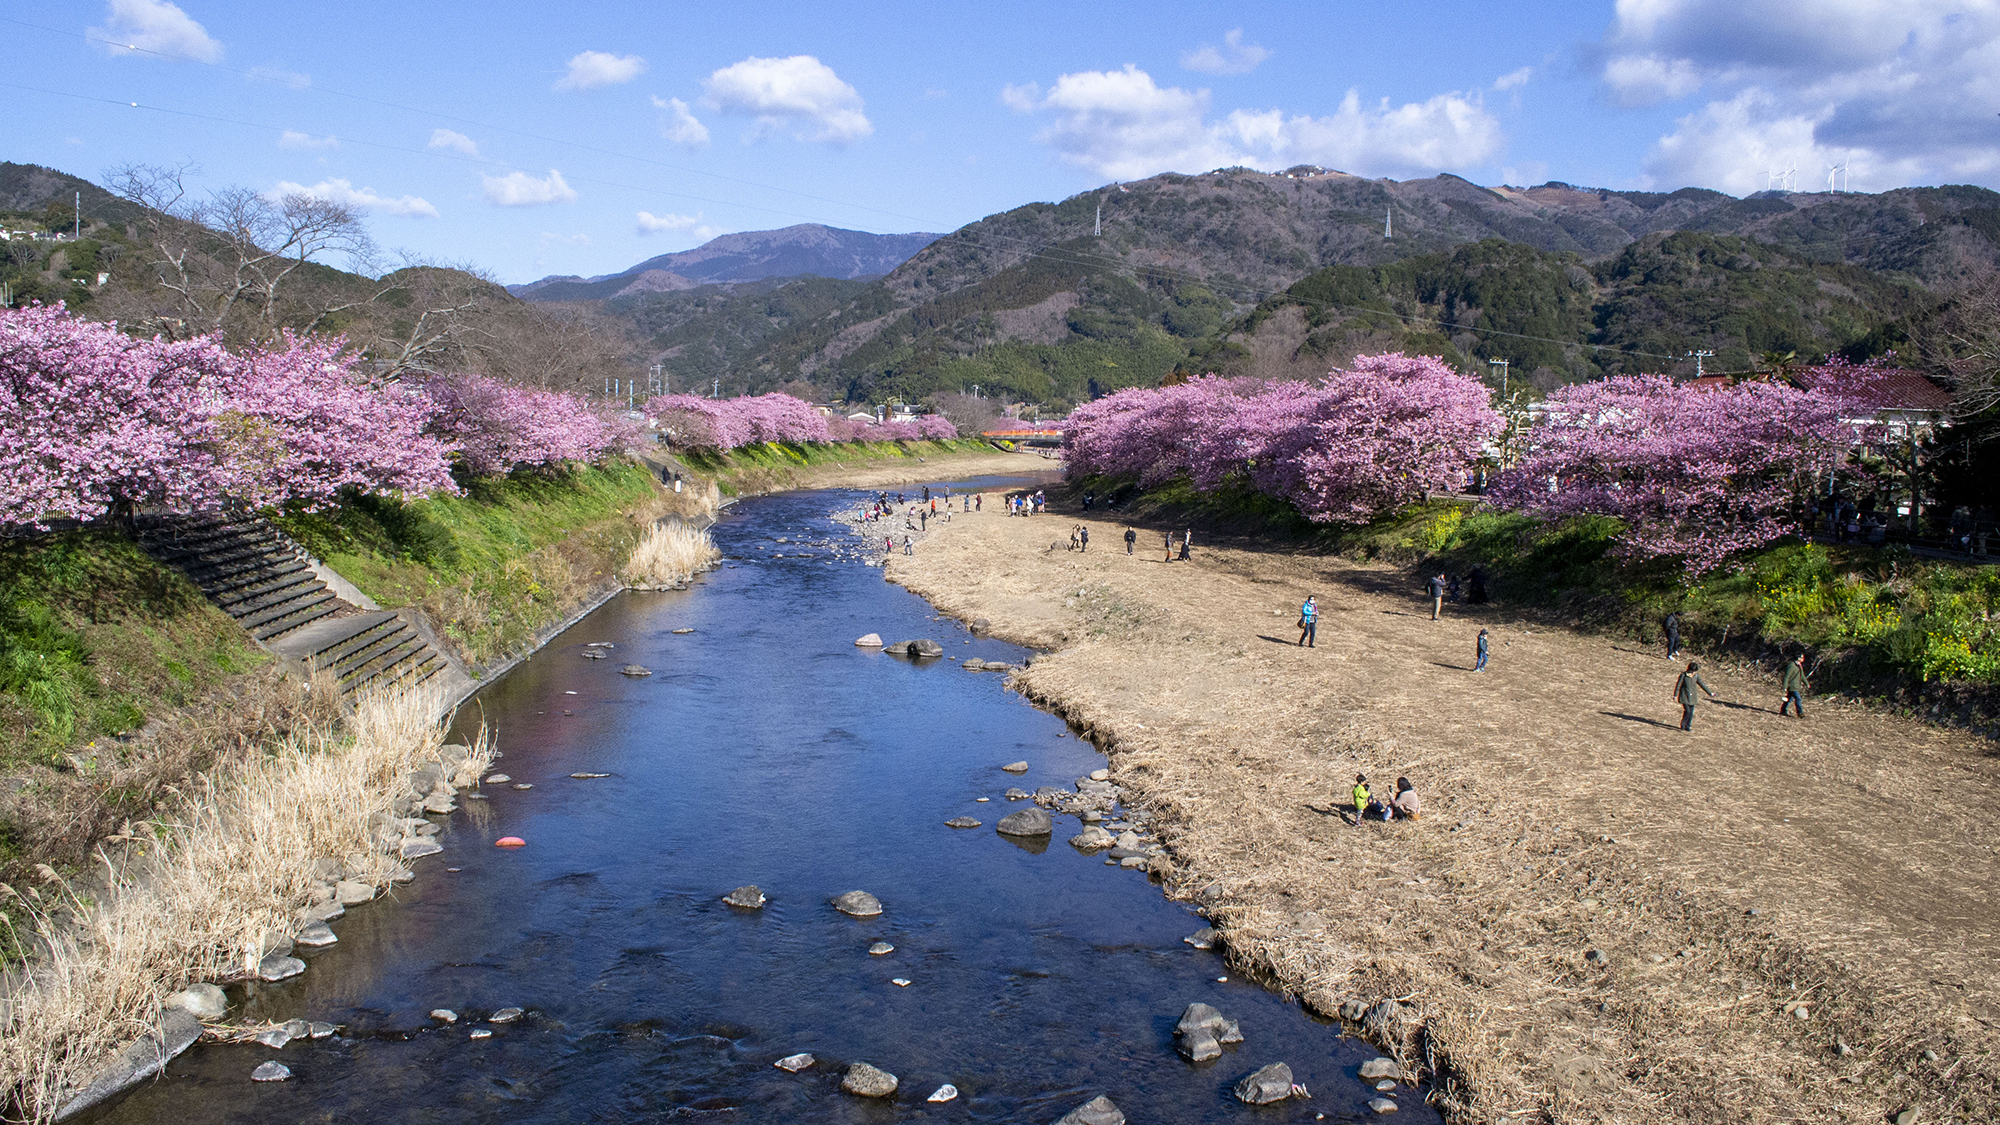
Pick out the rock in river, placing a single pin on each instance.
(924, 648)
(795, 1063)
(1271, 1084)
(417, 847)
(944, 1093)
(635, 670)
(1091, 837)
(271, 1072)
(347, 892)
(1016, 767)
(880, 948)
(1384, 1067)
(1027, 822)
(861, 904)
(1099, 1110)
(962, 822)
(1017, 794)
(748, 897)
(505, 1015)
(1381, 1105)
(280, 966)
(1205, 938)
(871, 640)
(202, 1001)
(868, 1081)
(1197, 1045)
(316, 935)
(1202, 1017)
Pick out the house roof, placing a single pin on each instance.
(1888, 389)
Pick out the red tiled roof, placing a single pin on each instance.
(1891, 390)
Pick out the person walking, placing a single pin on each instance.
(1187, 540)
(1309, 623)
(1131, 540)
(1436, 588)
(1672, 625)
(1795, 687)
(1083, 533)
(1360, 797)
(906, 546)
(1479, 665)
(979, 502)
(1167, 537)
(1684, 693)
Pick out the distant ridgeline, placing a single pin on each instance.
(1287, 274)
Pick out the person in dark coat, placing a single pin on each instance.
(1480, 664)
(1083, 536)
(1131, 538)
(1436, 589)
(1684, 693)
(1673, 627)
(1187, 540)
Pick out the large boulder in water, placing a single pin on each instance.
(870, 640)
(1027, 822)
(1271, 1084)
(1208, 1019)
(923, 648)
(1099, 1110)
(868, 1081)
(748, 896)
(899, 648)
(861, 904)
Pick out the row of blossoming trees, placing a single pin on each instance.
(692, 422)
(1696, 474)
(94, 421)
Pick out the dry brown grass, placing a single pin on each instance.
(670, 553)
(202, 893)
(1565, 815)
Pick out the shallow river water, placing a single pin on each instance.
(765, 749)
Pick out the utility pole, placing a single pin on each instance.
(718, 391)
(1099, 232)
(631, 392)
(1389, 223)
(1698, 356)
(1501, 366)
(79, 214)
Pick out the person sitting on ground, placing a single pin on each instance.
(1360, 796)
(1408, 804)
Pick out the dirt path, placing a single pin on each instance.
(1721, 878)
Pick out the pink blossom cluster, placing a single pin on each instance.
(1363, 441)
(1697, 474)
(92, 420)
(497, 427)
(692, 422)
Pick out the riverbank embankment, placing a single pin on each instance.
(1600, 917)
(756, 470)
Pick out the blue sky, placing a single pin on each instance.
(532, 139)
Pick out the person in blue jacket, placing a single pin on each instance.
(1309, 623)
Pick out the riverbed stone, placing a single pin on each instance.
(1204, 938)
(280, 966)
(868, 1081)
(1099, 1110)
(1269, 1084)
(499, 779)
(1015, 794)
(795, 1063)
(897, 648)
(316, 935)
(1383, 1067)
(1205, 1017)
(1027, 822)
(349, 892)
(272, 1071)
(1129, 839)
(944, 1093)
(868, 640)
(963, 822)
(924, 647)
(636, 671)
(1100, 775)
(860, 904)
(274, 1037)
(1091, 838)
(1016, 767)
(319, 1030)
(973, 664)
(1197, 1045)
(1382, 1105)
(881, 947)
(438, 804)
(592, 654)
(747, 896)
(321, 912)
(417, 847)
(981, 625)
(505, 1015)
(202, 1001)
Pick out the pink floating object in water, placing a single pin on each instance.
(509, 842)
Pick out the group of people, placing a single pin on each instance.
(1446, 587)
(1027, 503)
(1405, 803)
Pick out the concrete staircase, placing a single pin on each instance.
(273, 589)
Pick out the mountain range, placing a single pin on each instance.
(807, 248)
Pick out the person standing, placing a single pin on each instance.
(1684, 693)
(1436, 588)
(979, 502)
(1083, 534)
(1187, 540)
(1672, 625)
(1360, 797)
(1309, 623)
(1795, 687)
(1131, 540)
(1167, 537)
(906, 546)
(1480, 664)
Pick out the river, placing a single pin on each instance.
(765, 748)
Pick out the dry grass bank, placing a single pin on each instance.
(203, 890)
(670, 553)
(742, 474)
(1724, 879)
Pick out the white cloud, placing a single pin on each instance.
(1233, 57)
(364, 199)
(577, 239)
(678, 124)
(452, 141)
(292, 78)
(291, 139)
(591, 69)
(1514, 78)
(519, 189)
(156, 27)
(650, 223)
(1905, 89)
(1120, 125)
(800, 90)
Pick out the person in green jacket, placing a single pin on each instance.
(1795, 687)
(1360, 797)
(1684, 692)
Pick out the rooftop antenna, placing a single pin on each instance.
(1389, 222)
(1698, 356)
